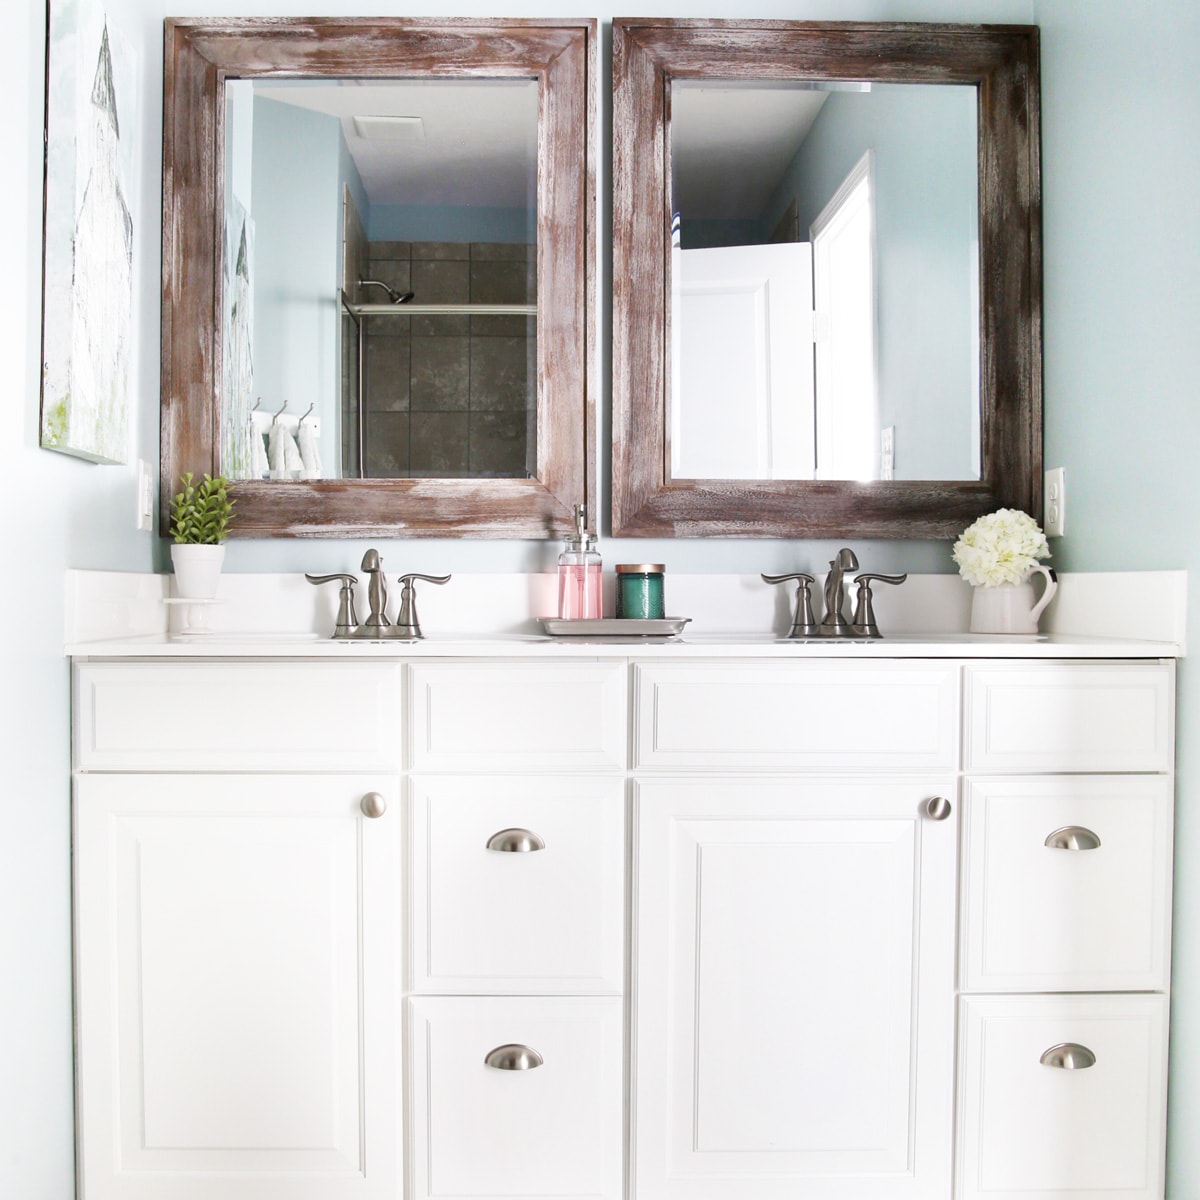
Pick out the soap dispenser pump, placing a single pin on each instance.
(579, 574)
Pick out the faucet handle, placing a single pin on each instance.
(804, 624)
(863, 622)
(347, 618)
(407, 624)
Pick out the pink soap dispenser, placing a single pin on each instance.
(579, 574)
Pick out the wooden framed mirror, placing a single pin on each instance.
(203, 57)
(658, 489)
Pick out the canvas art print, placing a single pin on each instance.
(88, 307)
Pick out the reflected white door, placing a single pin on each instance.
(742, 337)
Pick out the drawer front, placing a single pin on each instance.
(219, 716)
(1070, 717)
(1088, 912)
(539, 908)
(796, 715)
(485, 1132)
(1031, 1131)
(518, 715)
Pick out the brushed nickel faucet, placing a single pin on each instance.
(377, 626)
(834, 623)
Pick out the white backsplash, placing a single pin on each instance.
(105, 605)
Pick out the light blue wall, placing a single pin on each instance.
(452, 223)
(926, 218)
(1121, 177)
(297, 187)
(1122, 306)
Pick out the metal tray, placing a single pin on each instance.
(615, 627)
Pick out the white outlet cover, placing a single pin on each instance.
(1055, 502)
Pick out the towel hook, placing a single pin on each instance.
(279, 413)
(256, 404)
(306, 412)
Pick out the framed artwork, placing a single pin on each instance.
(87, 313)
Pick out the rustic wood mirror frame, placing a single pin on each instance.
(1002, 62)
(200, 55)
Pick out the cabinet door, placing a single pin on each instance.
(794, 989)
(515, 1097)
(237, 988)
(1062, 1097)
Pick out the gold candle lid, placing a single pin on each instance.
(640, 568)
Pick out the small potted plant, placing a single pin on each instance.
(201, 514)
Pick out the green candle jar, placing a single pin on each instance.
(640, 591)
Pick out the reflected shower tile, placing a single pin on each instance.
(498, 445)
(504, 327)
(391, 250)
(438, 444)
(449, 326)
(387, 445)
(500, 251)
(388, 364)
(440, 376)
(445, 251)
(441, 282)
(500, 377)
(500, 283)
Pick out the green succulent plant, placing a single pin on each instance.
(202, 513)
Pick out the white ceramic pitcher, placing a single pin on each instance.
(1010, 607)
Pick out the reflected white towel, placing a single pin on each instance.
(310, 456)
(259, 467)
(283, 454)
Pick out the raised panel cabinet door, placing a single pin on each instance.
(1087, 717)
(257, 716)
(515, 1097)
(518, 716)
(793, 989)
(819, 716)
(517, 884)
(1066, 883)
(1062, 1097)
(237, 987)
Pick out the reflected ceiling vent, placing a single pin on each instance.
(391, 129)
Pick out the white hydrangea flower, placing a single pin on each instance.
(1002, 547)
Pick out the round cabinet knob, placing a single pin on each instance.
(373, 805)
(515, 841)
(937, 808)
(1070, 1056)
(513, 1057)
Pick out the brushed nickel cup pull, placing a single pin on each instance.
(1070, 1056)
(373, 805)
(1072, 837)
(937, 808)
(513, 1057)
(515, 841)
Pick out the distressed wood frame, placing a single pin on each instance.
(1002, 62)
(199, 55)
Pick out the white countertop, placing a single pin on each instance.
(251, 646)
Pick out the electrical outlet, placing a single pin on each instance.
(145, 497)
(887, 452)
(1056, 502)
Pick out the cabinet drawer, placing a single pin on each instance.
(804, 715)
(1030, 1131)
(520, 715)
(1037, 917)
(482, 1132)
(499, 919)
(218, 716)
(1070, 717)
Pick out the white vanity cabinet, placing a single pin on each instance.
(683, 924)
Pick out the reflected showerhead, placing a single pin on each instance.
(394, 296)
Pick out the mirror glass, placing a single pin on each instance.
(379, 284)
(824, 280)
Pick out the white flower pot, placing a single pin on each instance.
(197, 570)
(1010, 607)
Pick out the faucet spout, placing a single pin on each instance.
(377, 620)
(834, 623)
